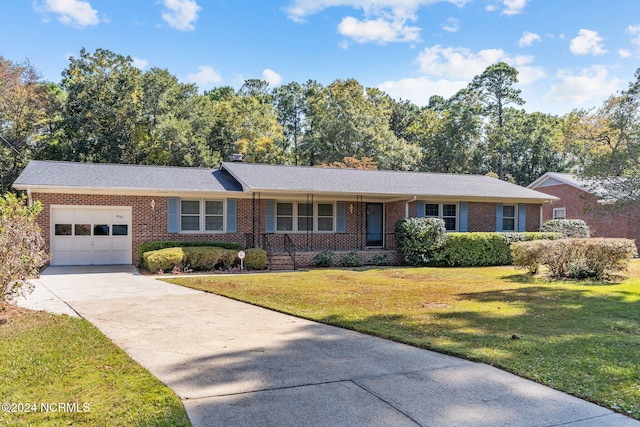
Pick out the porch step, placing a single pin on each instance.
(281, 262)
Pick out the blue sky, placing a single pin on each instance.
(570, 53)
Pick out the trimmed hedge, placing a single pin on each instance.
(568, 227)
(476, 249)
(163, 244)
(203, 258)
(576, 258)
(484, 249)
(195, 258)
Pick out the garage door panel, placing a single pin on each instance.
(90, 235)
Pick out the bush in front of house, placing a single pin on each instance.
(419, 240)
(195, 258)
(576, 258)
(569, 228)
(351, 259)
(476, 249)
(255, 259)
(163, 259)
(380, 259)
(324, 259)
(163, 244)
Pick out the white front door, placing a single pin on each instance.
(90, 235)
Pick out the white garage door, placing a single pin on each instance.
(90, 235)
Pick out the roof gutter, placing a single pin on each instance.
(406, 206)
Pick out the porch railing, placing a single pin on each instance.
(290, 247)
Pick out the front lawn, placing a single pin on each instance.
(579, 337)
(59, 370)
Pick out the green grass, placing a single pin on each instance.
(579, 337)
(45, 358)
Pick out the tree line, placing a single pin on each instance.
(108, 111)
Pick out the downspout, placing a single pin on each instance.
(29, 198)
(406, 206)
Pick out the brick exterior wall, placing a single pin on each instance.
(149, 224)
(601, 219)
(482, 216)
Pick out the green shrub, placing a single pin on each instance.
(569, 228)
(476, 249)
(351, 259)
(380, 259)
(420, 239)
(324, 259)
(195, 258)
(528, 236)
(576, 258)
(156, 245)
(208, 258)
(255, 259)
(163, 259)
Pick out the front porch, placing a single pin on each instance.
(292, 251)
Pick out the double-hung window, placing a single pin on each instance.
(284, 216)
(202, 215)
(325, 217)
(447, 211)
(559, 213)
(304, 217)
(508, 218)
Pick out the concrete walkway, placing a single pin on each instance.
(234, 364)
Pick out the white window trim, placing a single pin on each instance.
(314, 227)
(515, 219)
(441, 212)
(202, 216)
(564, 213)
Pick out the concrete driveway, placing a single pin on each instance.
(234, 364)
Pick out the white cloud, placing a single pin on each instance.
(271, 77)
(528, 38)
(587, 42)
(451, 25)
(511, 7)
(634, 30)
(420, 89)
(588, 84)
(76, 13)
(140, 63)
(384, 21)
(624, 53)
(514, 7)
(378, 30)
(457, 62)
(205, 78)
(181, 14)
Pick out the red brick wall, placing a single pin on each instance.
(482, 216)
(602, 221)
(146, 224)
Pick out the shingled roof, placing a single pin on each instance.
(240, 177)
(100, 176)
(275, 178)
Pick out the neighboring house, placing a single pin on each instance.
(100, 213)
(576, 200)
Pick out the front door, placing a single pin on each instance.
(374, 224)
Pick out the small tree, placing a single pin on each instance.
(21, 246)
